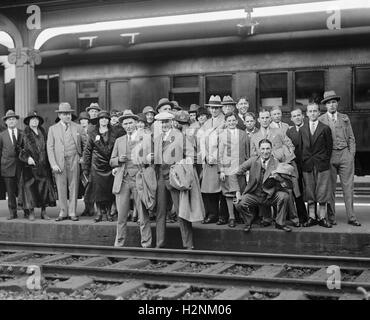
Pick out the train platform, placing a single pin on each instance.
(342, 239)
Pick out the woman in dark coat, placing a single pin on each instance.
(37, 189)
(96, 158)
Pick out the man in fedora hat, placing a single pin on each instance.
(211, 183)
(126, 167)
(342, 160)
(64, 146)
(11, 166)
(228, 105)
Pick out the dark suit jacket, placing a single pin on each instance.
(240, 124)
(9, 154)
(254, 166)
(316, 149)
(295, 136)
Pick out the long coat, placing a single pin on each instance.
(316, 149)
(96, 157)
(36, 183)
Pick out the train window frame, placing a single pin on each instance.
(48, 77)
(355, 104)
(294, 93)
(289, 84)
(197, 90)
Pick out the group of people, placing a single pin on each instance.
(214, 164)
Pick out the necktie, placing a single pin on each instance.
(67, 126)
(14, 137)
(333, 119)
(129, 138)
(264, 164)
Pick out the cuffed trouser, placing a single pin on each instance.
(128, 187)
(164, 192)
(250, 201)
(342, 163)
(67, 183)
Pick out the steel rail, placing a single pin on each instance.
(190, 255)
(199, 279)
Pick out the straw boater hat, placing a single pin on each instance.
(148, 109)
(128, 114)
(214, 101)
(93, 105)
(33, 114)
(164, 116)
(227, 101)
(10, 114)
(330, 95)
(193, 108)
(163, 102)
(182, 117)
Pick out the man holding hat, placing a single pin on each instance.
(169, 148)
(342, 160)
(126, 166)
(211, 183)
(11, 166)
(64, 147)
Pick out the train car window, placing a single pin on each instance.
(185, 90)
(309, 87)
(48, 88)
(273, 90)
(218, 85)
(362, 88)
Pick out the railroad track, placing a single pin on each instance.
(178, 272)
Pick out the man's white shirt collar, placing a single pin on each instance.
(331, 115)
(15, 132)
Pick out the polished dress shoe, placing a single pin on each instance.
(333, 223)
(310, 222)
(354, 223)
(265, 223)
(324, 223)
(284, 228)
(75, 219)
(209, 220)
(232, 223)
(221, 222)
(61, 218)
(247, 228)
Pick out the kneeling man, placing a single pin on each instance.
(262, 188)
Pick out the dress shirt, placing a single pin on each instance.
(15, 133)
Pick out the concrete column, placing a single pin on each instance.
(25, 60)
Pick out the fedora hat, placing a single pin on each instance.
(227, 100)
(33, 114)
(176, 105)
(148, 109)
(93, 105)
(193, 108)
(10, 114)
(128, 114)
(214, 101)
(103, 114)
(164, 116)
(284, 168)
(163, 102)
(330, 95)
(64, 107)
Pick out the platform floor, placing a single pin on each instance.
(342, 239)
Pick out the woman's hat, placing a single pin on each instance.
(93, 105)
(193, 108)
(33, 114)
(10, 114)
(176, 105)
(83, 115)
(148, 109)
(103, 114)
